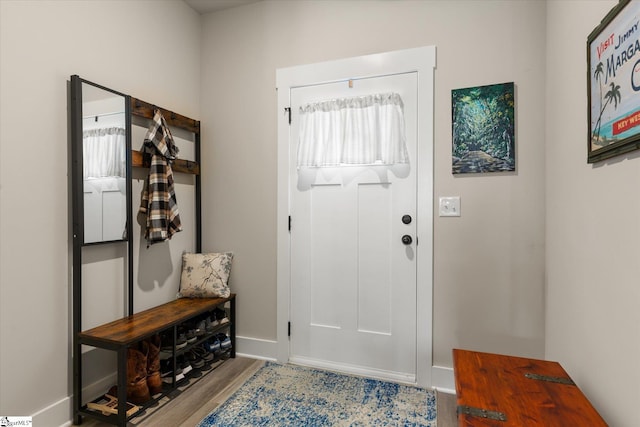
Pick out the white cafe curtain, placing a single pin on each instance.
(104, 153)
(365, 130)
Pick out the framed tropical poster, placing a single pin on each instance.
(613, 56)
(483, 129)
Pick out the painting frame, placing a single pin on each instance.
(483, 129)
(613, 83)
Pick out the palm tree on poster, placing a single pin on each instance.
(612, 95)
(597, 74)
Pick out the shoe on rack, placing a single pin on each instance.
(221, 316)
(169, 378)
(208, 345)
(209, 326)
(194, 360)
(203, 353)
(166, 368)
(214, 320)
(225, 341)
(137, 389)
(166, 345)
(217, 347)
(189, 333)
(201, 328)
(166, 371)
(167, 342)
(182, 341)
(154, 382)
(165, 353)
(184, 364)
(213, 345)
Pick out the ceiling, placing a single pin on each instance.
(207, 6)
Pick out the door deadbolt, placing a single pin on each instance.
(406, 219)
(406, 239)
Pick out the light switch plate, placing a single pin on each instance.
(450, 206)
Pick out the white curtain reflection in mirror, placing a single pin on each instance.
(104, 166)
(104, 153)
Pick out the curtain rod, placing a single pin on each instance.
(102, 115)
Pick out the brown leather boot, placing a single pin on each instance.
(154, 381)
(137, 389)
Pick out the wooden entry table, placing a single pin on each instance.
(505, 391)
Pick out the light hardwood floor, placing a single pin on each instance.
(446, 410)
(204, 395)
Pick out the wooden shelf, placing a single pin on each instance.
(147, 110)
(128, 330)
(141, 160)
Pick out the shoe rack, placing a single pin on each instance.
(167, 320)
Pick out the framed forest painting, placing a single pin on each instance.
(483, 129)
(613, 57)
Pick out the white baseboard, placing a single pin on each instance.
(61, 413)
(256, 348)
(58, 413)
(442, 379)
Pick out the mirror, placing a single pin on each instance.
(104, 163)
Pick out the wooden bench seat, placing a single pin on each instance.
(134, 328)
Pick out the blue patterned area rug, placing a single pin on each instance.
(286, 395)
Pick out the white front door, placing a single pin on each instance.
(358, 299)
(353, 279)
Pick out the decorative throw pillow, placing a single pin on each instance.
(205, 275)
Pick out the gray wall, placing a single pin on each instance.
(489, 263)
(148, 49)
(592, 231)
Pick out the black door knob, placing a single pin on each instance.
(406, 239)
(406, 219)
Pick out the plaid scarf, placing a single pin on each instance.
(158, 197)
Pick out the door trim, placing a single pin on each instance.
(421, 60)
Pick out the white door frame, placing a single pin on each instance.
(421, 60)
